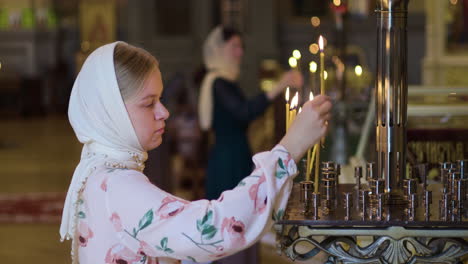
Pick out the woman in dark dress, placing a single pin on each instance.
(227, 112)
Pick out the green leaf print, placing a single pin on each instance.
(280, 174)
(209, 232)
(164, 247)
(241, 183)
(277, 216)
(199, 225)
(81, 214)
(281, 164)
(146, 220)
(192, 258)
(281, 171)
(207, 218)
(164, 242)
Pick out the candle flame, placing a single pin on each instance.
(296, 99)
(325, 75)
(311, 96)
(313, 66)
(292, 62)
(300, 110)
(296, 54)
(286, 96)
(321, 46)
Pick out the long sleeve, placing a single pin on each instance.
(230, 97)
(157, 224)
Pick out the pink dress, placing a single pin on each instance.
(123, 218)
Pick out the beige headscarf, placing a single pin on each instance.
(218, 64)
(100, 120)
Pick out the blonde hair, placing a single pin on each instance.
(132, 66)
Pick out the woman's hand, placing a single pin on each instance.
(291, 78)
(308, 127)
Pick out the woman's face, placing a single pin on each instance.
(147, 113)
(233, 49)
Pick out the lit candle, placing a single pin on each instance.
(293, 108)
(291, 112)
(322, 66)
(286, 96)
(322, 91)
(296, 104)
(309, 154)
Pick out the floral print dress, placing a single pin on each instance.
(124, 219)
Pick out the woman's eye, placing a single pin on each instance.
(150, 105)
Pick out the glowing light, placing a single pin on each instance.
(296, 99)
(311, 96)
(292, 62)
(286, 96)
(315, 21)
(454, 2)
(325, 75)
(358, 70)
(314, 48)
(321, 44)
(296, 54)
(300, 110)
(337, 2)
(313, 66)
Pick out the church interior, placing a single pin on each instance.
(43, 44)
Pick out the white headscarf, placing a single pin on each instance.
(100, 120)
(217, 65)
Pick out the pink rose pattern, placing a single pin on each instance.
(115, 219)
(147, 250)
(258, 194)
(170, 206)
(119, 254)
(104, 184)
(232, 231)
(84, 233)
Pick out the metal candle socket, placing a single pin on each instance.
(370, 168)
(364, 201)
(463, 166)
(409, 187)
(427, 204)
(307, 188)
(412, 205)
(315, 204)
(358, 176)
(347, 203)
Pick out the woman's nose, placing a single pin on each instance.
(161, 112)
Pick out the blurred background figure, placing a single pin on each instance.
(225, 109)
